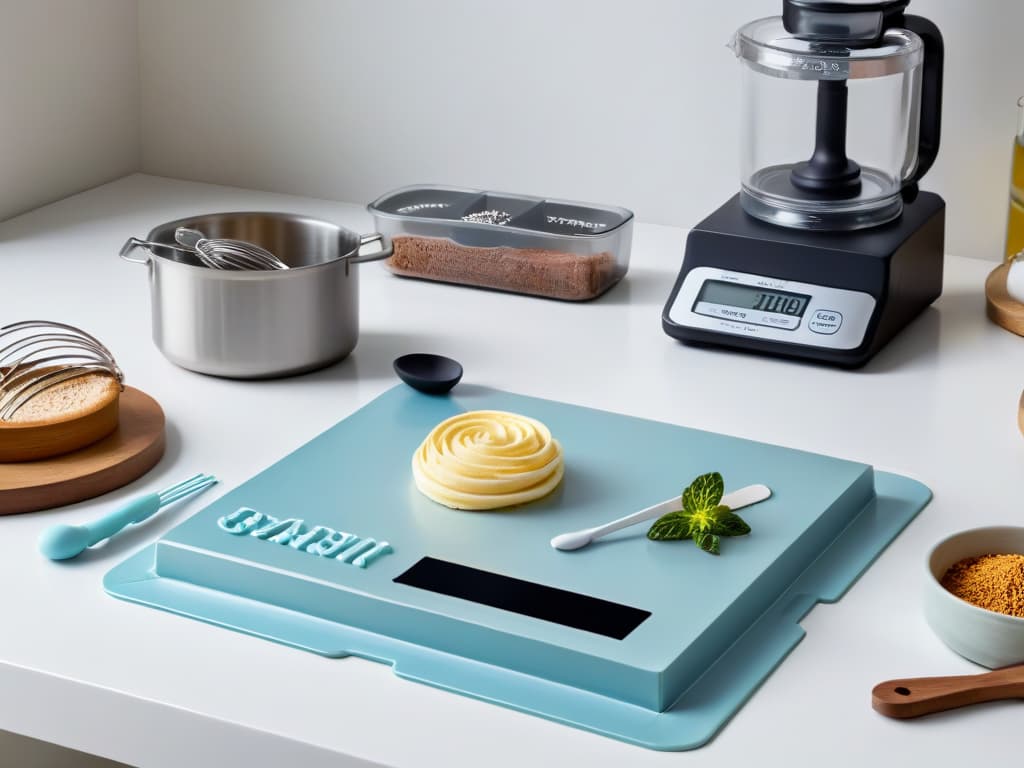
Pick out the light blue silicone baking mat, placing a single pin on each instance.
(654, 643)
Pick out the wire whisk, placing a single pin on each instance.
(225, 253)
(37, 355)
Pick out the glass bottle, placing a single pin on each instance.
(1015, 218)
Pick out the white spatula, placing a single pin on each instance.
(744, 497)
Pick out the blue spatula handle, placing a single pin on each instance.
(134, 511)
(60, 542)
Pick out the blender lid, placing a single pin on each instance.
(767, 46)
(855, 23)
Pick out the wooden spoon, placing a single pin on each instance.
(918, 696)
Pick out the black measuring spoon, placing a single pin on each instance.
(433, 374)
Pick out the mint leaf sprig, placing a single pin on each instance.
(703, 517)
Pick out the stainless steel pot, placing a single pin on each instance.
(258, 324)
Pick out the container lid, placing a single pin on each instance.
(767, 47)
(467, 210)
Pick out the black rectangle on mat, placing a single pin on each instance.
(570, 609)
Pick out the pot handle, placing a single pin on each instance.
(129, 246)
(385, 250)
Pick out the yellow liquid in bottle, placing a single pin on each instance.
(1015, 222)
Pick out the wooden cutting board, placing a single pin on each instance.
(123, 456)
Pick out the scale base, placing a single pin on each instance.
(671, 682)
(898, 264)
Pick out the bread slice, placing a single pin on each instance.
(63, 418)
(68, 400)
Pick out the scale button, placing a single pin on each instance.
(788, 322)
(826, 321)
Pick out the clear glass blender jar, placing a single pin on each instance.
(840, 113)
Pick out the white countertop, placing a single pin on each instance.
(82, 669)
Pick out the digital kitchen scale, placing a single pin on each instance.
(831, 296)
(334, 550)
(824, 258)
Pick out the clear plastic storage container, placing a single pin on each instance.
(532, 245)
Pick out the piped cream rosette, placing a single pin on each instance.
(486, 460)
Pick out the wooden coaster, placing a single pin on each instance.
(1007, 312)
(1001, 308)
(125, 455)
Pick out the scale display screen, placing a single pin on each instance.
(570, 609)
(753, 298)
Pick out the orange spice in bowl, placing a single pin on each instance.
(983, 635)
(994, 582)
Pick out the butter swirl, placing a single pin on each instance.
(486, 460)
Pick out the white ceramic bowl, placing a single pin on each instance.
(986, 637)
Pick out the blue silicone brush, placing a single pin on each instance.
(61, 542)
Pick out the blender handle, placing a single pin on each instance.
(931, 94)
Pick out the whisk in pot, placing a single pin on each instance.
(36, 355)
(226, 253)
(213, 252)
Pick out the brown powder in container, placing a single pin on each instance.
(993, 582)
(541, 272)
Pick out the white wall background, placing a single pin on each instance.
(632, 102)
(69, 98)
